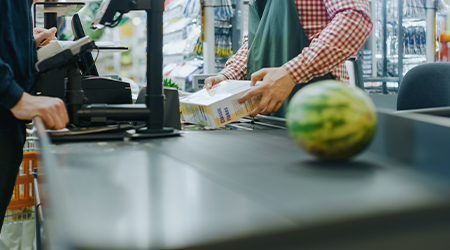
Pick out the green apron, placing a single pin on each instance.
(275, 36)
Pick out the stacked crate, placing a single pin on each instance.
(21, 207)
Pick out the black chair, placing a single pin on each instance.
(356, 63)
(425, 86)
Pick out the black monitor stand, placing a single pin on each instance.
(154, 97)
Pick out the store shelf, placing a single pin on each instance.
(414, 21)
(174, 36)
(392, 57)
(381, 79)
(173, 58)
(222, 58)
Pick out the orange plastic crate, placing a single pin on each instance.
(23, 194)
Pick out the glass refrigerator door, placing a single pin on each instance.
(398, 42)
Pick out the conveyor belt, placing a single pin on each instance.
(243, 190)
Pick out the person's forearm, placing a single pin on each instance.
(343, 36)
(51, 109)
(10, 91)
(236, 66)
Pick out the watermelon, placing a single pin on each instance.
(330, 120)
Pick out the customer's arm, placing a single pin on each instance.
(25, 106)
(10, 91)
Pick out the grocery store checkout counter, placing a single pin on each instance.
(245, 187)
(248, 187)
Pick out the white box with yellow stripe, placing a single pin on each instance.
(218, 106)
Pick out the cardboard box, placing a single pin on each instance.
(218, 106)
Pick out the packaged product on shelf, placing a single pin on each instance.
(412, 38)
(224, 11)
(367, 62)
(191, 8)
(367, 53)
(367, 66)
(417, 41)
(423, 40)
(406, 40)
(414, 9)
(367, 72)
(218, 106)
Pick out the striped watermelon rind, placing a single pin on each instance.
(331, 121)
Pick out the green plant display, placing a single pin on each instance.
(169, 83)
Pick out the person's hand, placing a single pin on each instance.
(44, 36)
(274, 89)
(51, 110)
(214, 80)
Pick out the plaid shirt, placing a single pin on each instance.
(336, 30)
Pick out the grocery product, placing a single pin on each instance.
(330, 120)
(218, 106)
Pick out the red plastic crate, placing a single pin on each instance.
(23, 194)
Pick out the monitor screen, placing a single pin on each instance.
(100, 15)
(106, 13)
(87, 63)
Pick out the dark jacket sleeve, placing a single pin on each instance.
(10, 91)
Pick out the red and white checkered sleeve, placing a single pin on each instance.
(236, 66)
(348, 30)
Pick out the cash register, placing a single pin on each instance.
(62, 72)
(97, 89)
(109, 89)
